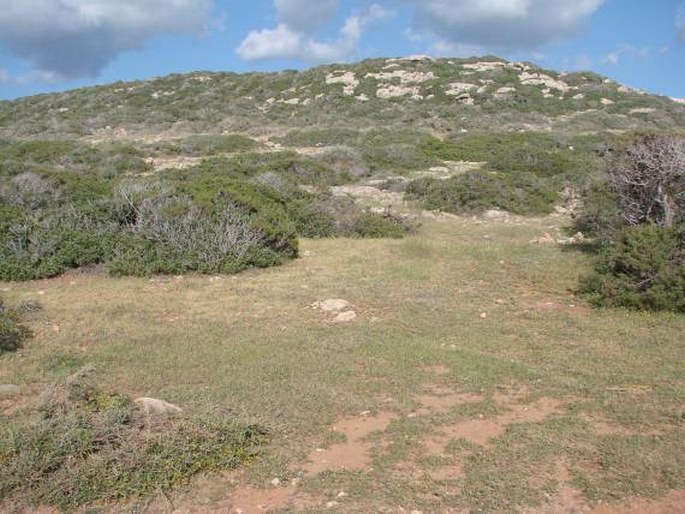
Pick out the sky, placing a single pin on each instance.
(56, 45)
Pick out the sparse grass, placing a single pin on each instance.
(250, 344)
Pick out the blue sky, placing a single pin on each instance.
(54, 45)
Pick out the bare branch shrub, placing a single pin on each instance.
(648, 176)
(213, 237)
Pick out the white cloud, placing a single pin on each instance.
(269, 43)
(77, 38)
(288, 42)
(511, 25)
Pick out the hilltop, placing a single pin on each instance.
(443, 96)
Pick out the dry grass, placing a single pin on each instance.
(251, 343)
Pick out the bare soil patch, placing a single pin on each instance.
(355, 452)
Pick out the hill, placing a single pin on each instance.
(443, 96)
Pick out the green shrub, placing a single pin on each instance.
(643, 269)
(88, 446)
(478, 191)
(12, 333)
(600, 216)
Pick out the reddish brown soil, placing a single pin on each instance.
(355, 452)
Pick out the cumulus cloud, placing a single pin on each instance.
(286, 41)
(503, 24)
(78, 38)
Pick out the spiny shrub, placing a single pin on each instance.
(644, 268)
(86, 446)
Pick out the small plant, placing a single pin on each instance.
(88, 446)
(12, 333)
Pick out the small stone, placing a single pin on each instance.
(9, 389)
(41, 292)
(365, 413)
(345, 317)
(276, 482)
(342, 494)
(153, 406)
(332, 505)
(499, 301)
(332, 305)
(546, 238)
(483, 315)
(416, 512)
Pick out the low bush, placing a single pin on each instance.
(644, 268)
(221, 216)
(87, 446)
(478, 191)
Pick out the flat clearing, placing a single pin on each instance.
(470, 379)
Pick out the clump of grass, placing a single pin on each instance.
(87, 446)
(12, 333)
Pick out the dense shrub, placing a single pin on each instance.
(477, 191)
(222, 216)
(600, 216)
(636, 214)
(89, 446)
(644, 268)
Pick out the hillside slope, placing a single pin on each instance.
(441, 95)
